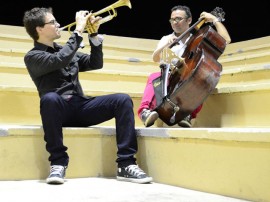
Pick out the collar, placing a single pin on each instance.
(44, 47)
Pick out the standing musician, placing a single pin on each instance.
(180, 21)
(54, 70)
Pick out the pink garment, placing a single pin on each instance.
(149, 100)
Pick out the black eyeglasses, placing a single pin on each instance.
(177, 19)
(52, 22)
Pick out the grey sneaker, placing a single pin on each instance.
(133, 173)
(186, 122)
(148, 117)
(57, 174)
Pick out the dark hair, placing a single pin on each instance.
(35, 18)
(183, 8)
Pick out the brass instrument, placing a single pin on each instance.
(112, 13)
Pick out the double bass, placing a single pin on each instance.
(187, 81)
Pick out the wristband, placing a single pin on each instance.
(78, 32)
(215, 21)
(93, 34)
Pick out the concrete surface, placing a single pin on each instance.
(101, 190)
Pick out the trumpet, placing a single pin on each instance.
(110, 9)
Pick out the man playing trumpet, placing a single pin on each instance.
(54, 70)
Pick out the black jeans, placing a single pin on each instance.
(78, 111)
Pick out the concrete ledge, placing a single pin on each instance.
(248, 46)
(243, 86)
(246, 68)
(19, 33)
(231, 158)
(243, 59)
(234, 103)
(19, 53)
(115, 68)
(222, 134)
(223, 161)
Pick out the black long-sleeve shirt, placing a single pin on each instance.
(56, 69)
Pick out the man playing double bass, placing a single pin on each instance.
(180, 20)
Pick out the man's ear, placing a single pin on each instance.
(38, 29)
(189, 21)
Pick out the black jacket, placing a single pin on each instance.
(56, 69)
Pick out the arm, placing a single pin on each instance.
(221, 29)
(164, 41)
(43, 60)
(95, 59)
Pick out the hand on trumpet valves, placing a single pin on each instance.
(81, 20)
(93, 23)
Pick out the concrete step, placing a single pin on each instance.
(98, 84)
(116, 71)
(19, 95)
(256, 50)
(24, 47)
(13, 57)
(246, 52)
(233, 104)
(254, 64)
(237, 106)
(250, 46)
(245, 73)
(224, 161)
(260, 56)
(226, 153)
(17, 55)
(111, 66)
(124, 46)
(13, 60)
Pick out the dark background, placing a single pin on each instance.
(149, 19)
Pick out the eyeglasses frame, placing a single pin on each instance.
(177, 19)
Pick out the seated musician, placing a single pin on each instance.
(180, 21)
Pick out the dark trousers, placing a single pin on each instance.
(78, 111)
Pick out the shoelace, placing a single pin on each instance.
(57, 169)
(188, 118)
(135, 170)
(146, 113)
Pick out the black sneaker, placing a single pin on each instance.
(133, 173)
(148, 117)
(57, 174)
(186, 122)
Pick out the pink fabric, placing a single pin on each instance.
(149, 100)
(196, 111)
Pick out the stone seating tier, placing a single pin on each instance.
(227, 152)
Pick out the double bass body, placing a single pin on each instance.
(199, 76)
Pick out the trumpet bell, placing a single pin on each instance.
(110, 9)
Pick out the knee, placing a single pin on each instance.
(49, 99)
(125, 99)
(153, 76)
